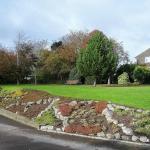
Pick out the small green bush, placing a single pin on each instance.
(123, 79)
(89, 80)
(47, 118)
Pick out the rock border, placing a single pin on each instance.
(30, 123)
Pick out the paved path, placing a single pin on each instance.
(14, 136)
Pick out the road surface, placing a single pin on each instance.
(15, 136)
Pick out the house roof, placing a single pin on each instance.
(145, 53)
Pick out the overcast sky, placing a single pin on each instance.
(125, 20)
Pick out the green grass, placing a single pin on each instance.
(138, 96)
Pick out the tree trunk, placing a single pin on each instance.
(109, 81)
(94, 84)
(35, 78)
(18, 81)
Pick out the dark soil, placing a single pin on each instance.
(32, 112)
(34, 96)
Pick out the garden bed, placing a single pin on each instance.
(100, 119)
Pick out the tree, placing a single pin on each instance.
(7, 66)
(26, 59)
(98, 58)
(56, 45)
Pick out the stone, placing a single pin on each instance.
(71, 121)
(144, 139)
(23, 104)
(30, 103)
(56, 99)
(127, 131)
(127, 109)
(107, 112)
(50, 99)
(115, 122)
(65, 122)
(139, 110)
(117, 136)
(91, 134)
(50, 127)
(43, 128)
(45, 101)
(39, 101)
(58, 129)
(124, 137)
(122, 107)
(134, 138)
(109, 119)
(17, 103)
(73, 103)
(26, 109)
(11, 105)
(109, 136)
(104, 128)
(120, 125)
(110, 107)
(101, 134)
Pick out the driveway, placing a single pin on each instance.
(15, 136)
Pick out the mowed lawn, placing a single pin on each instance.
(138, 96)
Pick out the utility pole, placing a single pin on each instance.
(17, 67)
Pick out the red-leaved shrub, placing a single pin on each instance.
(100, 106)
(65, 109)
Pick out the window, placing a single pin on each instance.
(147, 59)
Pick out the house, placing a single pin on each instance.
(144, 58)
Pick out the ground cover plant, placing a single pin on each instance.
(138, 96)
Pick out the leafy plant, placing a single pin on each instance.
(123, 79)
(47, 118)
(143, 126)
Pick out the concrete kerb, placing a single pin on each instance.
(30, 123)
(18, 118)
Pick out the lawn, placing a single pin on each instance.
(138, 96)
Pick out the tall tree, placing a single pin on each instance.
(98, 58)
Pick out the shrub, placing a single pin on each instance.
(17, 93)
(89, 80)
(129, 68)
(142, 126)
(142, 74)
(123, 79)
(47, 118)
(100, 106)
(65, 109)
